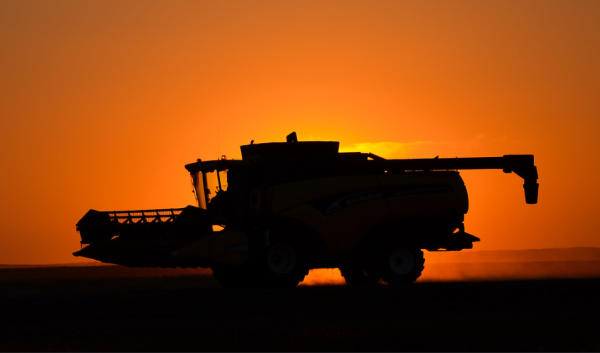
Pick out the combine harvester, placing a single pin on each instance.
(289, 207)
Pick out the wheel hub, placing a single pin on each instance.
(281, 258)
(401, 261)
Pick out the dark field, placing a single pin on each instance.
(109, 308)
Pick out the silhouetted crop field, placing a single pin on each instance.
(110, 308)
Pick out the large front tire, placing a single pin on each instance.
(402, 265)
(283, 266)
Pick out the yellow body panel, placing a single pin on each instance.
(198, 249)
(341, 210)
(426, 204)
(342, 229)
(224, 247)
(288, 195)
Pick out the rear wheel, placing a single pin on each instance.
(402, 265)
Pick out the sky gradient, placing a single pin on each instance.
(104, 102)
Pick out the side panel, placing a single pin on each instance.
(288, 195)
(230, 248)
(424, 194)
(343, 209)
(223, 247)
(197, 249)
(340, 209)
(342, 231)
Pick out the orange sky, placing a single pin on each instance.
(103, 102)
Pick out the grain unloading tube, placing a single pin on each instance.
(522, 165)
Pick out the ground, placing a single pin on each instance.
(42, 310)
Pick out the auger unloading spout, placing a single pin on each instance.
(531, 191)
(523, 166)
(288, 207)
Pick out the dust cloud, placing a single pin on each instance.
(504, 265)
(324, 277)
(90, 271)
(484, 271)
(493, 265)
(507, 271)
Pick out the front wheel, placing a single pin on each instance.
(402, 265)
(283, 266)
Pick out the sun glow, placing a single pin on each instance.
(105, 102)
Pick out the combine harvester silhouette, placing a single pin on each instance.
(289, 207)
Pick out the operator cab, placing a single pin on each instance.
(210, 179)
(274, 163)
